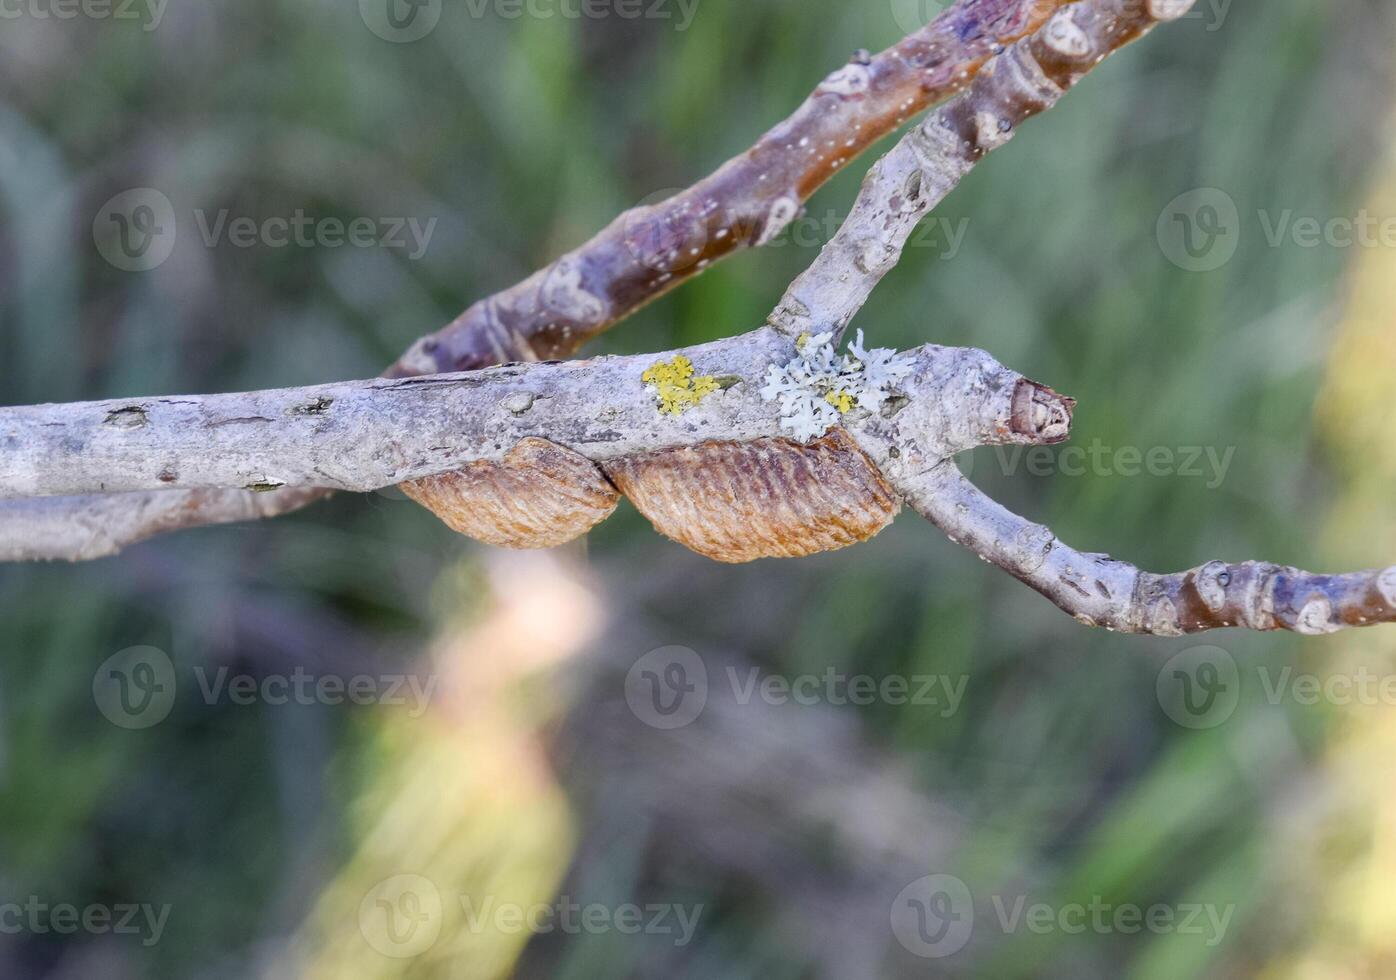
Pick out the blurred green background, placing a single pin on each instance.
(276, 837)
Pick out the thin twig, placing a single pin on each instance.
(1101, 591)
(1026, 80)
(747, 202)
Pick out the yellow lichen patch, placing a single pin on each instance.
(842, 401)
(676, 385)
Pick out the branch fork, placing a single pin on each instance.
(531, 454)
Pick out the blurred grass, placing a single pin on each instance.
(521, 137)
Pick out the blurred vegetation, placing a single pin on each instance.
(1060, 777)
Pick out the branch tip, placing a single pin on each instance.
(1040, 414)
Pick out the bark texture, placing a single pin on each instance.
(1027, 79)
(747, 202)
(532, 454)
(1101, 591)
(650, 250)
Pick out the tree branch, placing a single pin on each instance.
(365, 435)
(534, 453)
(645, 252)
(1026, 80)
(747, 202)
(1101, 591)
(90, 527)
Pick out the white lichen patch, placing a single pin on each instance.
(818, 387)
